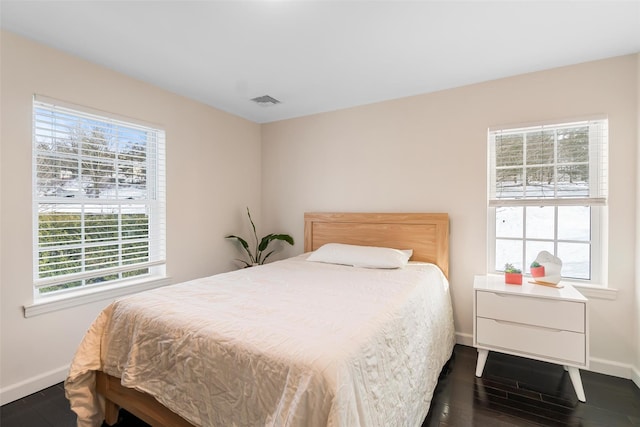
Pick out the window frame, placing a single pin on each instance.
(596, 247)
(598, 207)
(154, 201)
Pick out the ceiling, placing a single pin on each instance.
(317, 56)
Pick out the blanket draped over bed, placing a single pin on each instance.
(292, 343)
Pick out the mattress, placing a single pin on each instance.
(291, 343)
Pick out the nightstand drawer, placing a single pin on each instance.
(556, 314)
(563, 346)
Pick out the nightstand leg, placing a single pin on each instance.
(574, 374)
(482, 359)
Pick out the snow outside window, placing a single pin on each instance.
(548, 191)
(99, 199)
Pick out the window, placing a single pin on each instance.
(547, 191)
(99, 199)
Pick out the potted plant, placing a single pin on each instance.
(536, 269)
(258, 256)
(512, 275)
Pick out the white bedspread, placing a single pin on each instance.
(292, 343)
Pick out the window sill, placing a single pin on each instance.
(61, 302)
(595, 291)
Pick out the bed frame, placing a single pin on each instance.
(426, 233)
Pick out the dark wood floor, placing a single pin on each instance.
(512, 392)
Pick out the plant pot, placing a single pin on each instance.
(513, 278)
(537, 271)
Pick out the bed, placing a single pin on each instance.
(293, 343)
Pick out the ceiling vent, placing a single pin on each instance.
(265, 100)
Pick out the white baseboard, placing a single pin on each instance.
(600, 366)
(635, 376)
(33, 385)
(464, 339)
(609, 367)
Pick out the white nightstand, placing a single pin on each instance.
(538, 322)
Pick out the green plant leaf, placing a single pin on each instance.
(239, 239)
(266, 256)
(285, 238)
(261, 245)
(245, 245)
(271, 237)
(246, 264)
(255, 235)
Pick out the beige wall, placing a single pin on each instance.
(428, 153)
(206, 195)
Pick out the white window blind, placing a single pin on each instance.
(99, 198)
(559, 164)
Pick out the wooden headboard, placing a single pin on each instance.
(426, 233)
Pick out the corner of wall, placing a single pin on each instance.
(636, 369)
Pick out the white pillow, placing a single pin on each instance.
(361, 256)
